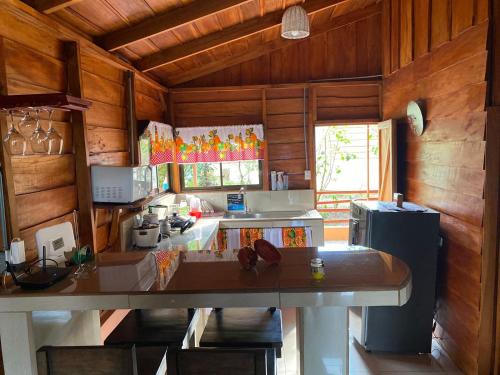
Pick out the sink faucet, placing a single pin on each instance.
(243, 192)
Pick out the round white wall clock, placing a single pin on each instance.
(415, 117)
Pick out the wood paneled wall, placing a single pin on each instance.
(32, 60)
(350, 51)
(436, 51)
(285, 112)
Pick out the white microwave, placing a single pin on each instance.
(120, 184)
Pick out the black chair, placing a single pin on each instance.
(157, 327)
(217, 362)
(246, 328)
(100, 360)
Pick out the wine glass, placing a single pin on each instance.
(38, 140)
(14, 142)
(54, 140)
(27, 125)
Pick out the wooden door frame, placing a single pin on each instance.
(489, 330)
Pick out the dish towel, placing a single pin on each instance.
(234, 239)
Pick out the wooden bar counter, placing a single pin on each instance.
(354, 277)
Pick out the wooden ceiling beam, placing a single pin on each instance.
(273, 45)
(164, 22)
(225, 36)
(51, 6)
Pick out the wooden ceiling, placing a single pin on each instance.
(175, 41)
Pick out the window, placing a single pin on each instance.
(225, 175)
(347, 167)
(161, 177)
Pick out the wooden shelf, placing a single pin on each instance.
(55, 101)
(129, 206)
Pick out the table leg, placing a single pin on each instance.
(18, 343)
(324, 340)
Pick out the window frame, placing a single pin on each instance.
(222, 187)
(169, 172)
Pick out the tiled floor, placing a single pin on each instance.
(363, 363)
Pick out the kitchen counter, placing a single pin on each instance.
(199, 237)
(204, 232)
(354, 277)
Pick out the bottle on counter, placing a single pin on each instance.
(317, 269)
(279, 181)
(273, 180)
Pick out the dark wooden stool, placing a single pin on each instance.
(158, 327)
(246, 328)
(217, 361)
(82, 360)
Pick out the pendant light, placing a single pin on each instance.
(295, 23)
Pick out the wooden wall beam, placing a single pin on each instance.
(131, 116)
(273, 45)
(51, 6)
(8, 179)
(228, 35)
(164, 22)
(491, 240)
(311, 148)
(87, 228)
(18, 9)
(265, 163)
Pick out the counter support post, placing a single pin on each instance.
(323, 340)
(18, 343)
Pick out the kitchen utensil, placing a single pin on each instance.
(150, 219)
(17, 253)
(146, 236)
(165, 227)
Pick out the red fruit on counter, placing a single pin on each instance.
(267, 251)
(247, 257)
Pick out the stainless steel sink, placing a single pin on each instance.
(264, 215)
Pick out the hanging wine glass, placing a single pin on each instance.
(54, 140)
(38, 140)
(27, 125)
(14, 142)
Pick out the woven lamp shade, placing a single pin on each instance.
(295, 23)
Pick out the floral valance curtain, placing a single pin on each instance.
(156, 144)
(219, 143)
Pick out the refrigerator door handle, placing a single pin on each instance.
(354, 231)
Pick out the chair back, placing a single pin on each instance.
(216, 362)
(84, 360)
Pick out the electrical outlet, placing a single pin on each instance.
(307, 174)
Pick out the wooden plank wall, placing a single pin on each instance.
(442, 59)
(106, 121)
(284, 110)
(350, 51)
(45, 186)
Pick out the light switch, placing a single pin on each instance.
(307, 174)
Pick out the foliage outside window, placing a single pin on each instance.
(347, 167)
(221, 175)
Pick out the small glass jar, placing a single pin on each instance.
(318, 268)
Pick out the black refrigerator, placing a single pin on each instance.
(410, 233)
